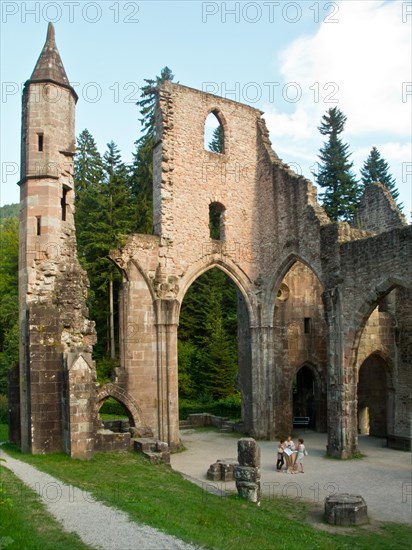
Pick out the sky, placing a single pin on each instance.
(292, 60)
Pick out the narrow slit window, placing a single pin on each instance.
(64, 204)
(213, 136)
(216, 221)
(307, 325)
(40, 142)
(38, 225)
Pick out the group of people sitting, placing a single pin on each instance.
(291, 455)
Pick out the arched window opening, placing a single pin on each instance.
(115, 416)
(213, 135)
(216, 221)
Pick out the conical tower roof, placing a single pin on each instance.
(49, 66)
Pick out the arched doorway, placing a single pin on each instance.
(214, 348)
(114, 415)
(305, 395)
(373, 397)
(299, 344)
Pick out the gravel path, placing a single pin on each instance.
(97, 525)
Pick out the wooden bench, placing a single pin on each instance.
(301, 421)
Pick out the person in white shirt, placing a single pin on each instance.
(300, 455)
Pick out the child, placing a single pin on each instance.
(280, 460)
(301, 453)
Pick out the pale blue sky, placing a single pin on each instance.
(292, 60)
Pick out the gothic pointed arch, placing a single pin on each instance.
(215, 131)
(128, 401)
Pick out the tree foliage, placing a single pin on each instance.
(216, 145)
(341, 191)
(208, 338)
(104, 214)
(141, 173)
(376, 169)
(9, 309)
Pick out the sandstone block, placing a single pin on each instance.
(345, 509)
(248, 452)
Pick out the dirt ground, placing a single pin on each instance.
(383, 477)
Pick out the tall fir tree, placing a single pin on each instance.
(88, 167)
(103, 217)
(341, 191)
(376, 169)
(208, 337)
(216, 145)
(141, 173)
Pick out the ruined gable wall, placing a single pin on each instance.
(377, 210)
(192, 178)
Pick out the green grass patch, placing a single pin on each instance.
(25, 522)
(4, 432)
(160, 497)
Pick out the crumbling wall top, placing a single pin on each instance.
(378, 211)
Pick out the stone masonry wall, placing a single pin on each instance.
(271, 221)
(52, 286)
(377, 210)
(299, 342)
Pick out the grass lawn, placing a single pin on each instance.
(160, 497)
(25, 522)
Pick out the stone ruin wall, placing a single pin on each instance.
(377, 210)
(274, 233)
(296, 345)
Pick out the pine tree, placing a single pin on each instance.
(341, 191)
(141, 173)
(147, 102)
(208, 337)
(216, 145)
(376, 169)
(103, 216)
(88, 166)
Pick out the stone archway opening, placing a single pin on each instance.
(114, 415)
(372, 397)
(305, 395)
(214, 348)
(299, 344)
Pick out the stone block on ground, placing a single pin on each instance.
(346, 510)
(156, 451)
(144, 445)
(213, 472)
(249, 491)
(222, 470)
(141, 431)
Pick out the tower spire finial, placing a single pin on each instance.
(51, 37)
(49, 66)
